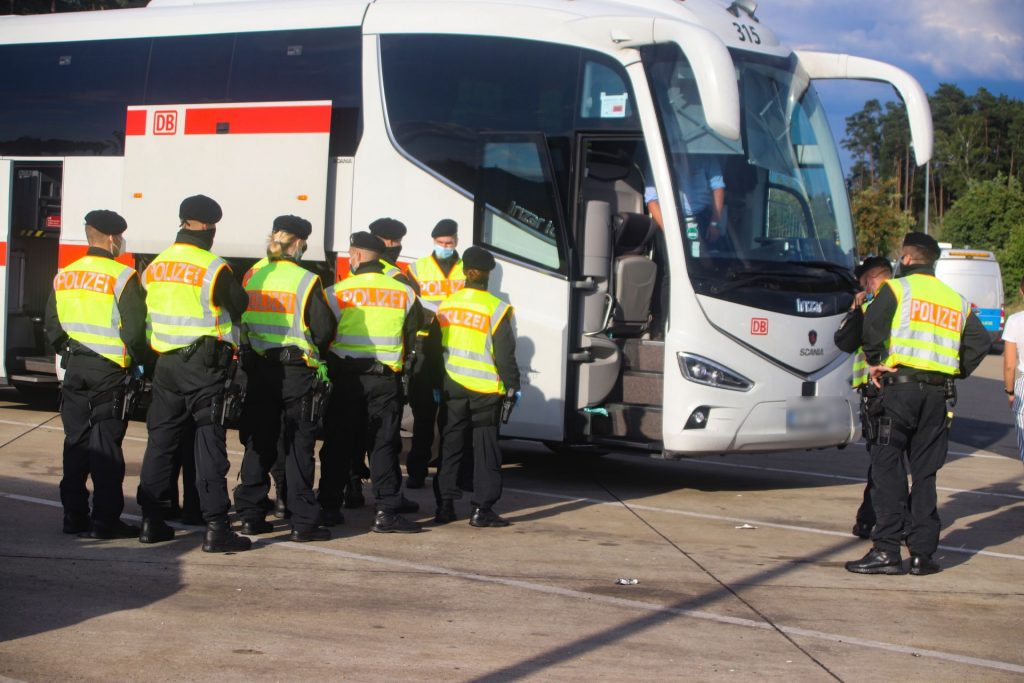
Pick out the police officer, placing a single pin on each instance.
(391, 232)
(376, 331)
(871, 273)
(918, 335)
(289, 327)
(195, 305)
(96, 319)
(277, 470)
(436, 275)
(478, 340)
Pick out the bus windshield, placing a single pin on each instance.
(770, 208)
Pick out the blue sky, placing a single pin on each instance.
(972, 43)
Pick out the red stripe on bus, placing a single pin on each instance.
(342, 270)
(248, 120)
(3, 254)
(69, 253)
(136, 122)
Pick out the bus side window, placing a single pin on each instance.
(189, 69)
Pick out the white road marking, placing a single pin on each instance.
(618, 602)
(742, 520)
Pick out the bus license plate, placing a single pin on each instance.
(805, 418)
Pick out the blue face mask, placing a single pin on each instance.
(443, 252)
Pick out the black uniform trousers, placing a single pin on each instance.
(916, 413)
(427, 378)
(365, 412)
(183, 391)
(275, 390)
(471, 427)
(92, 448)
(185, 465)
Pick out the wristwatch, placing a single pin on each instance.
(1009, 392)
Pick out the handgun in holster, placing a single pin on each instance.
(508, 402)
(135, 387)
(227, 407)
(950, 401)
(315, 403)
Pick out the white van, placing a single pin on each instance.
(975, 274)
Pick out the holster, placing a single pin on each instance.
(870, 413)
(109, 405)
(314, 404)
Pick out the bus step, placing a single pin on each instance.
(33, 379)
(643, 355)
(634, 423)
(643, 388)
(44, 364)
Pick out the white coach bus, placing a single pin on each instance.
(536, 125)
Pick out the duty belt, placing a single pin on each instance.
(287, 355)
(933, 378)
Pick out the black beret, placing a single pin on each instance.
(368, 241)
(445, 227)
(923, 241)
(299, 227)
(477, 259)
(200, 208)
(388, 228)
(870, 263)
(107, 222)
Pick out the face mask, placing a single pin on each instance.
(443, 252)
(391, 254)
(119, 246)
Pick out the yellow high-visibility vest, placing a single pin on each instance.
(390, 269)
(278, 293)
(435, 286)
(468, 319)
(927, 325)
(179, 294)
(371, 309)
(87, 292)
(262, 263)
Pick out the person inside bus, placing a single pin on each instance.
(703, 193)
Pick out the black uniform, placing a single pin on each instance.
(427, 379)
(185, 385)
(280, 382)
(93, 448)
(914, 404)
(472, 423)
(365, 412)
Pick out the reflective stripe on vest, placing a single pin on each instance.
(179, 295)
(275, 318)
(87, 292)
(927, 325)
(468, 319)
(860, 360)
(390, 269)
(435, 287)
(371, 309)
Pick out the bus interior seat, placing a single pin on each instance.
(599, 374)
(634, 273)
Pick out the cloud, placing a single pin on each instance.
(950, 39)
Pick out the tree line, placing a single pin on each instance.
(976, 188)
(51, 6)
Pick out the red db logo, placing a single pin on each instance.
(759, 326)
(165, 122)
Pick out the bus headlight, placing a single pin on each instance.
(705, 371)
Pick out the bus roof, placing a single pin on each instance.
(546, 20)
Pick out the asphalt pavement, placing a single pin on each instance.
(731, 568)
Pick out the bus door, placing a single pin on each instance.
(30, 262)
(620, 307)
(517, 217)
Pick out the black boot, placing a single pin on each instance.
(317, 533)
(483, 517)
(863, 529)
(281, 508)
(254, 527)
(75, 524)
(221, 539)
(877, 562)
(393, 523)
(115, 529)
(155, 531)
(921, 565)
(445, 512)
(331, 517)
